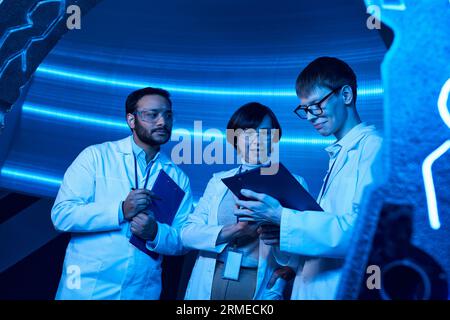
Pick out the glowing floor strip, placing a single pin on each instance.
(128, 83)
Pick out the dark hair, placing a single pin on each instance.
(328, 72)
(250, 116)
(135, 96)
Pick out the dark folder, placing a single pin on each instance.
(282, 186)
(165, 208)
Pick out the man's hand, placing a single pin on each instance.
(285, 273)
(269, 234)
(144, 226)
(261, 207)
(137, 200)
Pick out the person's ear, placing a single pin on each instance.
(347, 95)
(130, 120)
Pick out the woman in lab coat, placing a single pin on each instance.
(213, 228)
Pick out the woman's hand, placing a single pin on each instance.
(270, 234)
(286, 273)
(246, 229)
(235, 231)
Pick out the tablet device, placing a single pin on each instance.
(282, 186)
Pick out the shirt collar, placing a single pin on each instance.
(346, 141)
(140, 153)
(248, 166)
(126, 146)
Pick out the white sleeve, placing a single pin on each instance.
(328, 234)
(315, 233)
(167, 240)
(284, 258)
(197, 233)
(75, 208)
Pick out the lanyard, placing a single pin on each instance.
(136, 181)
(326, 180)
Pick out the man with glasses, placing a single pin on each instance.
(104, 199)
(327, 92)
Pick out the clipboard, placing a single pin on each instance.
(282, 186)
(165, 208)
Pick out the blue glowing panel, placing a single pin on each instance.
(213, 56)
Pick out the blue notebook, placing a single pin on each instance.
(164, 209)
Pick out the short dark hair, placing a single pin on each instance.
(135, 96)
(327, 72)
(250, 116)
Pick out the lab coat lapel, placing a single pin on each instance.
(221, 190)
(264, 251)
(125, 152)
(348, 143)
(340, 162)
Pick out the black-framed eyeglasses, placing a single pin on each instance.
(314, 108)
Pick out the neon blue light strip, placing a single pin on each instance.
(98, 80)
(93, 120)
(28, 176)
(442, 103)
(51, 113)
(433, 213)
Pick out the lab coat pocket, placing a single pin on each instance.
(345, 190)
(80, 277)
(325, 286)
(152, 289)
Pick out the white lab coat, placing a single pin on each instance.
(322, 238)
(201, 231)
(88, 205)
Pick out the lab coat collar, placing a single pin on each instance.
(249, 166)
(348, 142)
(222, 188)
(139, 152)
(125, 146)
(350, 139)
(226, 174)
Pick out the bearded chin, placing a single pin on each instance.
(147, 138)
